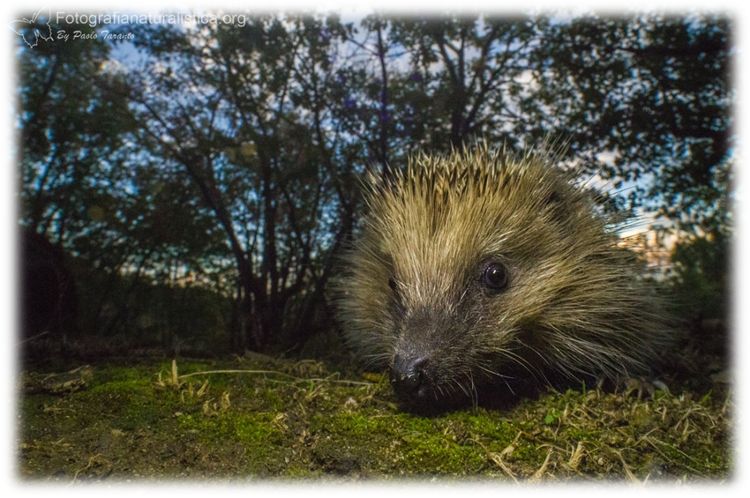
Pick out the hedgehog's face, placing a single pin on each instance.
(448, 290)
(457, 307)
(449, 337)
(471, 271)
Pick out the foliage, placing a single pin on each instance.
(701, 277)
(652, 94)
(229, 156)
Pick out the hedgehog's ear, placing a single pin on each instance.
(554, 204)
(553, 199)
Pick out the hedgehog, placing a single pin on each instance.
(477, 270)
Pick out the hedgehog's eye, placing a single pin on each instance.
(392, 284)
(495, 276)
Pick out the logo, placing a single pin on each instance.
(34, 29)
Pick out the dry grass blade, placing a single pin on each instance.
(576, 456)
(203, 389)
(497, 458)
(626, 468)
(175, 378)
(93, 460)
(224, 402)
(541, 470)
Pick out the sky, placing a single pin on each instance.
(125, 54)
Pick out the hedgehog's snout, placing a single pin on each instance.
(409, 376)
(416, 362)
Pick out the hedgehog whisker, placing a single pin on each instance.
(520, 360)
(474, 393)
(492, 372)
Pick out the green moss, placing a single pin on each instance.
(435, 454)
(353, 425)
(126, 422)
(257, 430)
(582, 434)
(251, 429)
(119, 373)
(134, 387)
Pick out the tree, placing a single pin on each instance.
(87, 186)
(652, 92)
(469, 71)
(235, 153)
(70, 120)
(241, 135)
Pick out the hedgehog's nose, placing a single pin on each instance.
(408, 376)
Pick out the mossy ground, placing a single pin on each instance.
(266, 418)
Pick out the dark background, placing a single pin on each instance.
(187, 190)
